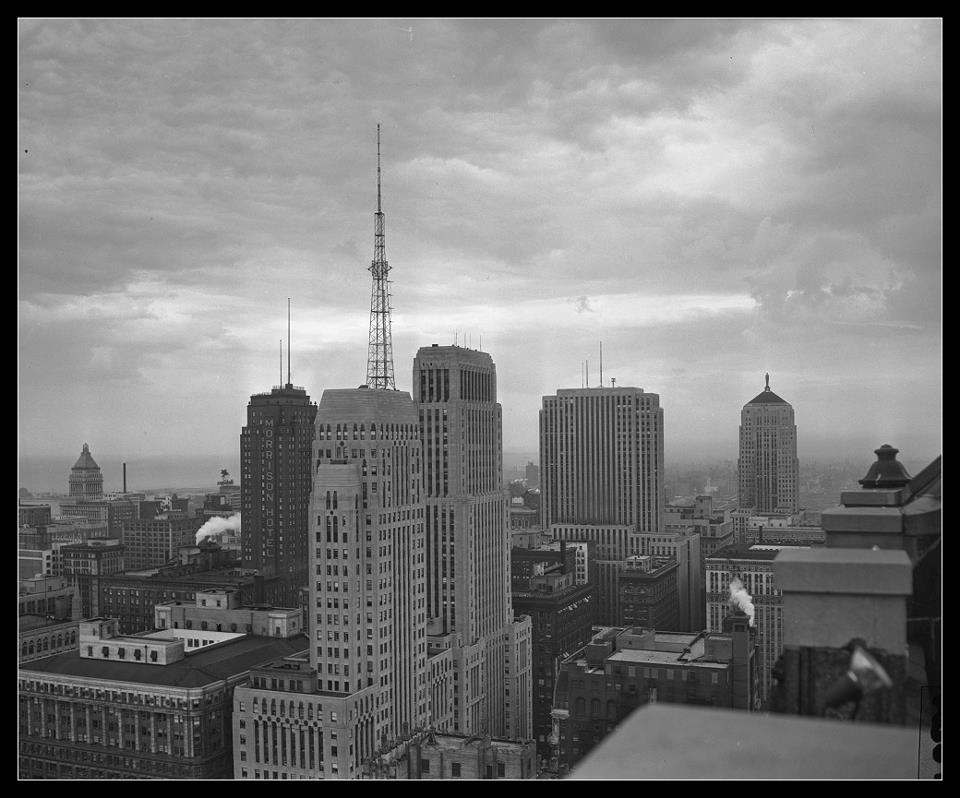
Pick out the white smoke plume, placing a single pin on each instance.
(742, 599)
(217, 525)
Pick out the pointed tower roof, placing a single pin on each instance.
(767, 397)
(86, 461)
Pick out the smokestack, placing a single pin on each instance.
(741, 599)
(216, 525)
(124, 477)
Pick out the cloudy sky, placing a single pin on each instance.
(712, 199)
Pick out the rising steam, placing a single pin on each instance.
(217, 525)
(742, 599)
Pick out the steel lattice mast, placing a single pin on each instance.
(380, 347)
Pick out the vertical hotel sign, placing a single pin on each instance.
(269, 501)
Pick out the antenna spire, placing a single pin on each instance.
(281, 361)
(601, 364)
(289, 381)
(380, 343)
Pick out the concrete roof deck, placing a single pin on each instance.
(204, 667)
(661, 741)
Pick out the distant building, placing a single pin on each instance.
(647, 592)
(601, 458)
(84, 564)
(151, 542)
(562, 615)
(130, 598)
(46, 625)
(753, 566)
(624, 668)
(523, 517)
(87, 500)
(683, 545)
(601, 463)
(768, 465)
(764, 530)
(46, 596)
(221, 610)
(86, 479)
(276, 479)
(33, 514)
(715, 528)
(153, 706)
(532, 473)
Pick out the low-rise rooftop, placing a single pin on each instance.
(216, 664)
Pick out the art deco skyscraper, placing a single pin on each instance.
(276, 479)
(768, 465)
(601, 474)
(467, 532)
(368, 564)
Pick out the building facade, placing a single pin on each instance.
(562, 616)
(601, 470)
(684, 547)
(152, 542)
(276, 480)
(769, 471)
(648, 594)
(136, 707)
(753, 566)
(622, 669)
(86, 478)
(467, 529)
(84, 564)
(130, 598)
(368, 560)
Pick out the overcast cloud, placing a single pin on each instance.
(713, 199)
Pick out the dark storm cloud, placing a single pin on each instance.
(730, 195)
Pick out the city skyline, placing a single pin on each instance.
(713, 200)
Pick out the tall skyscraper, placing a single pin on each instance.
(768, 465)
(467, 532)
(601, 475)
(368, 564)
(276, 479)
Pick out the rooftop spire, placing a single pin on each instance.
(767, 375)
(289, 381)
(380, 343)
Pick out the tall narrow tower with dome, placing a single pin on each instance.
(86, 478)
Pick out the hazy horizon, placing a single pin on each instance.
(713, 199)
(51, 474)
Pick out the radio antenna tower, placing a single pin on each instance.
(380, 346)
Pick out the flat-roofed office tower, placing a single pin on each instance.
(367, 558)
(467, 532)
(768, 465)
(276, 479)
(601, 474)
